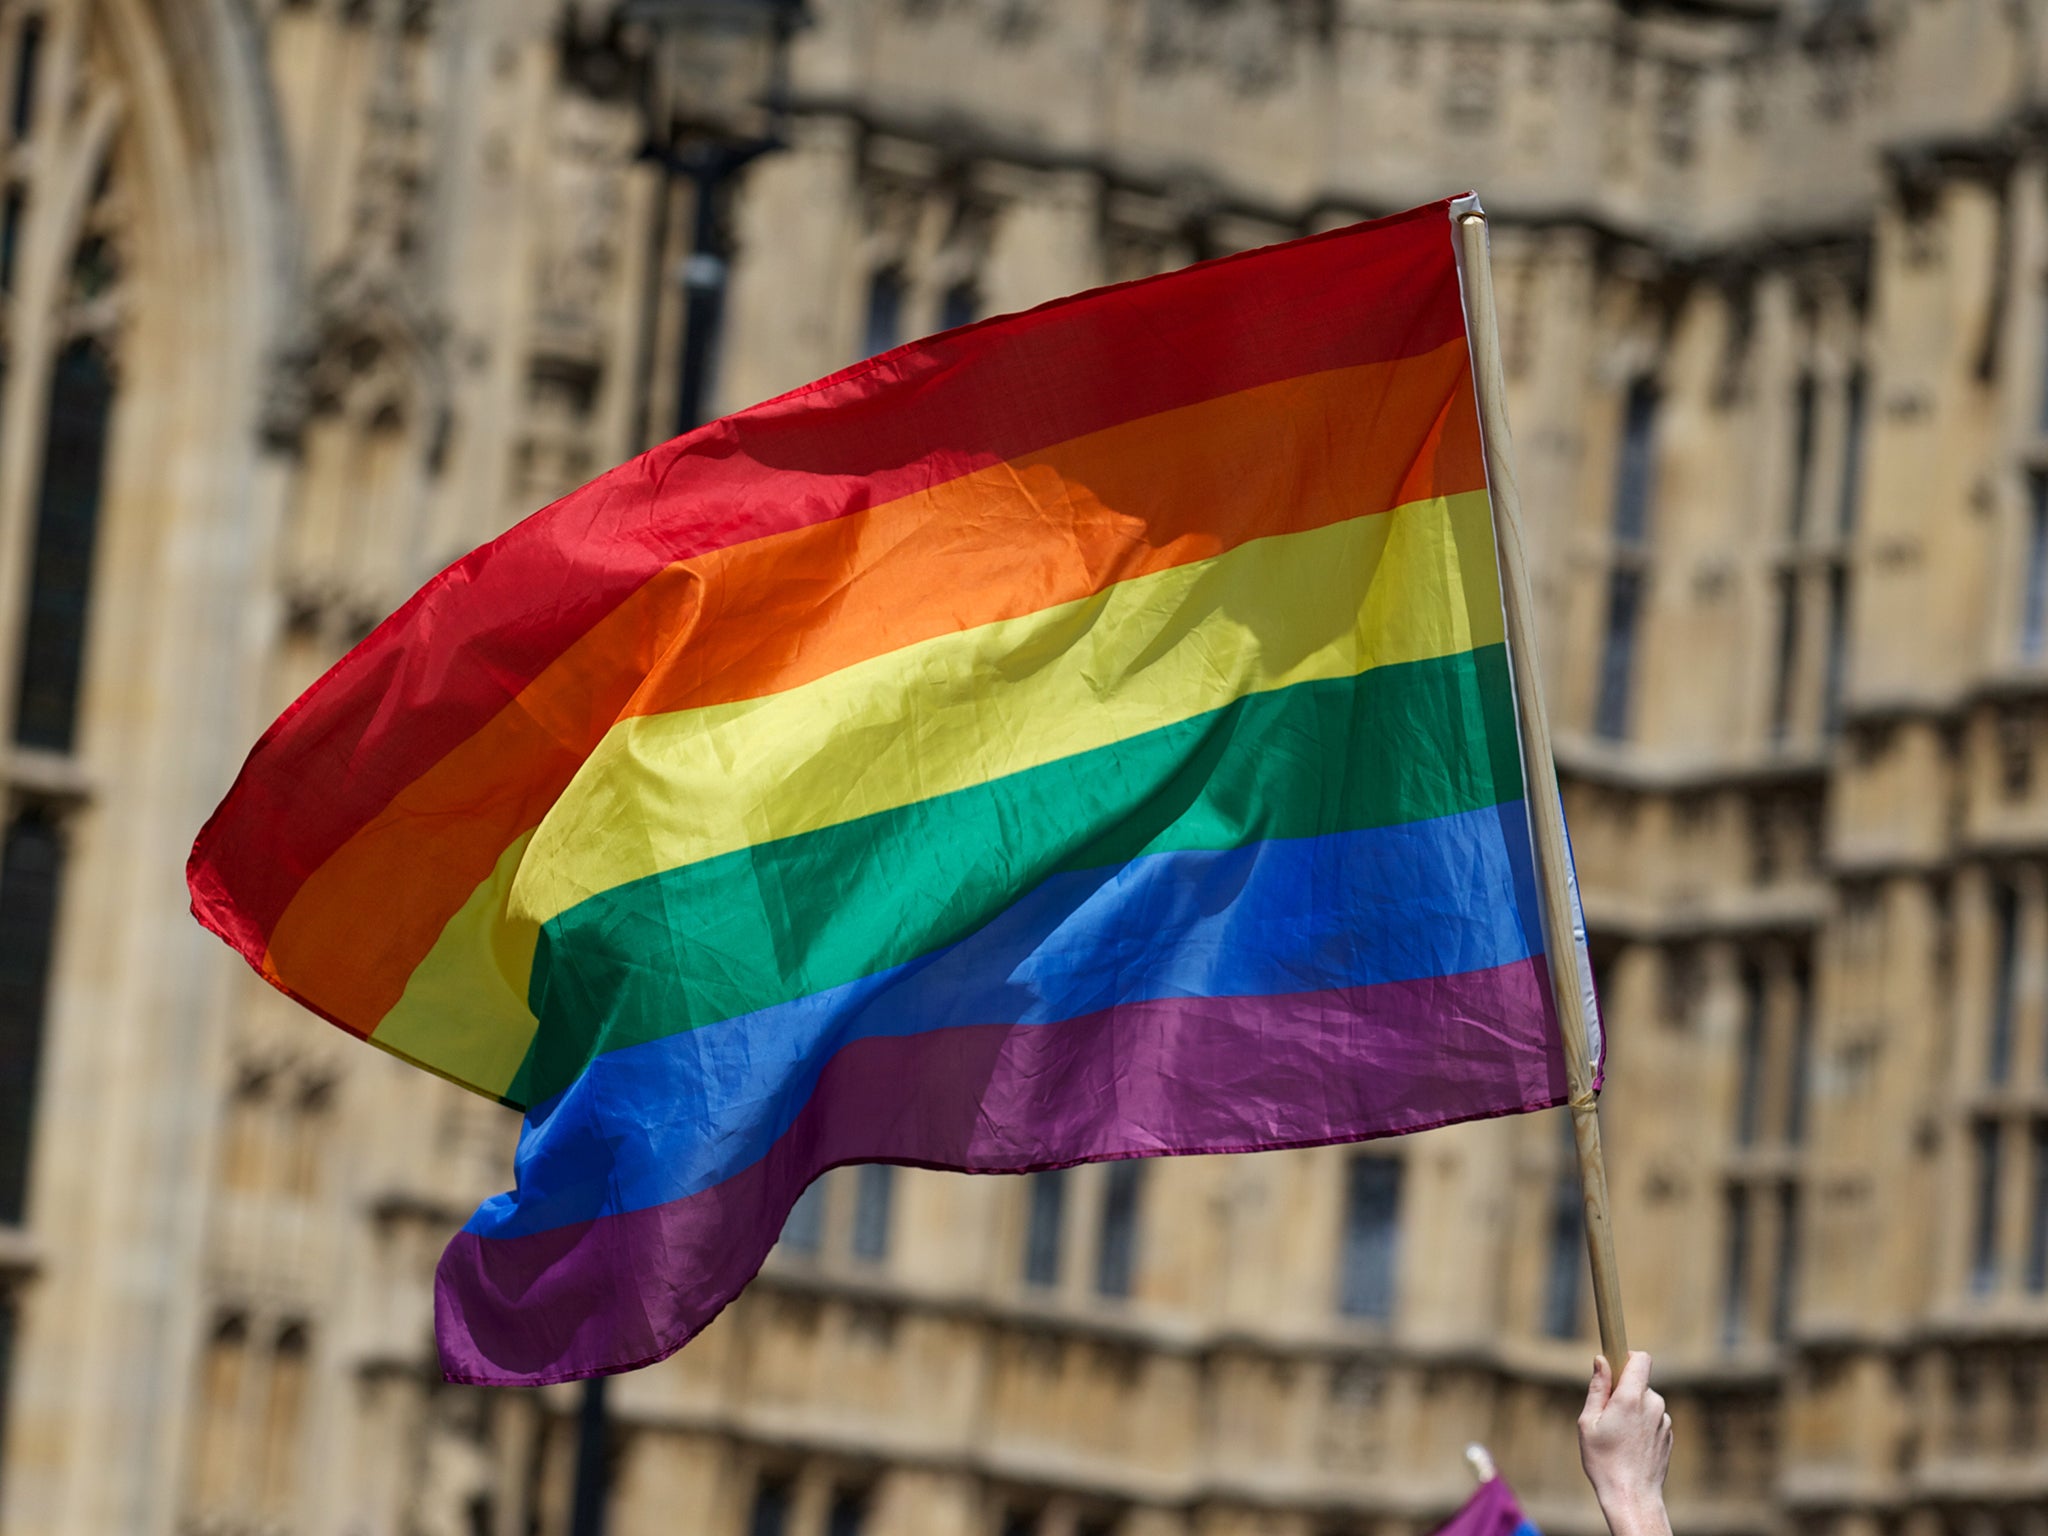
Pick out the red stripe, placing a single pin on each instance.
(464, 645)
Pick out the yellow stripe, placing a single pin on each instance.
(463, 1013)
(662, 791)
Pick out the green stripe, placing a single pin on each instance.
(746, 930)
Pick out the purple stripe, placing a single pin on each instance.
(1172, 1075)
(1491, 1511)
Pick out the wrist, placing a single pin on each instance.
(1635, 1512)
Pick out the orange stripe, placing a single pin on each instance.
(758, 618)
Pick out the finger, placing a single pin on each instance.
(1653, 1402)
(1601, 1387)
(1635, 1375)
(1666, 1425)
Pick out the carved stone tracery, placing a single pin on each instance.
(1255, 45)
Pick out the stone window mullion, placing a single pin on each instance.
(809, 1502)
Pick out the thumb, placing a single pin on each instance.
(1602, 1385)
(1635, 1374)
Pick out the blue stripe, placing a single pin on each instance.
(659, 1121)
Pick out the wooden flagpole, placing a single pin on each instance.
(1546, 814)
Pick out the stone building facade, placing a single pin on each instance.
(301, 298)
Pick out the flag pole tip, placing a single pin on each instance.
(1481, 1461)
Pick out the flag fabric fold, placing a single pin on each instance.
(1087, 734)
(1491, 1511)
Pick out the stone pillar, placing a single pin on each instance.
(786, 322)
(669, 1482)
(914, 1502)
(2030, 982)
(810, 1502)
(1044, 243)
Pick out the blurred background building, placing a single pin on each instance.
(304, 297)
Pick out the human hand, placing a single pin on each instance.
(1625, 1446)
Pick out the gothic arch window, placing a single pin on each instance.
(1628, 574)
(361, 465)
(245, 1129)
(31, 863)
(223, 1386)
(925, 243)
(1565, 1263)
(1045, 1226)
(283, 1418)
(81, 399)
(61, 242)
(883, 326)
(311, 1119)
(247, 1446)
(63, 238)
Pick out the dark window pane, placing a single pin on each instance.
(22, 104)
(803, 1230)
(94, 269)
(1984, 1244)
(30, 867)
(1634, 474)
(1372, 1235)
(1748, 1104)
(12, 209)
(848, 1514)
(1735, 1272)
(1116, 1255)
(1563, 1278)
(1803, 396)
(1854, 405)
(67, 522)
(961, 306)
(1618, 656)
(1043, 1227)
(1785, 1283)
(2037, 1232)
(2005, 913)
(1802, 1048)
(1838, 651)
(771, 1508)
(2034, 615)
(874, 1185)
(885, 312)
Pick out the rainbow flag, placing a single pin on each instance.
(1491, 1511)
(1087, 734)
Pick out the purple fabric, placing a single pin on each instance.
(1491, 1511)
(1173, 1075)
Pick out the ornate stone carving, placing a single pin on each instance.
(370, 313)
(1254, 44)
(1007, 21)
(579, 262)
(1471, 99)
